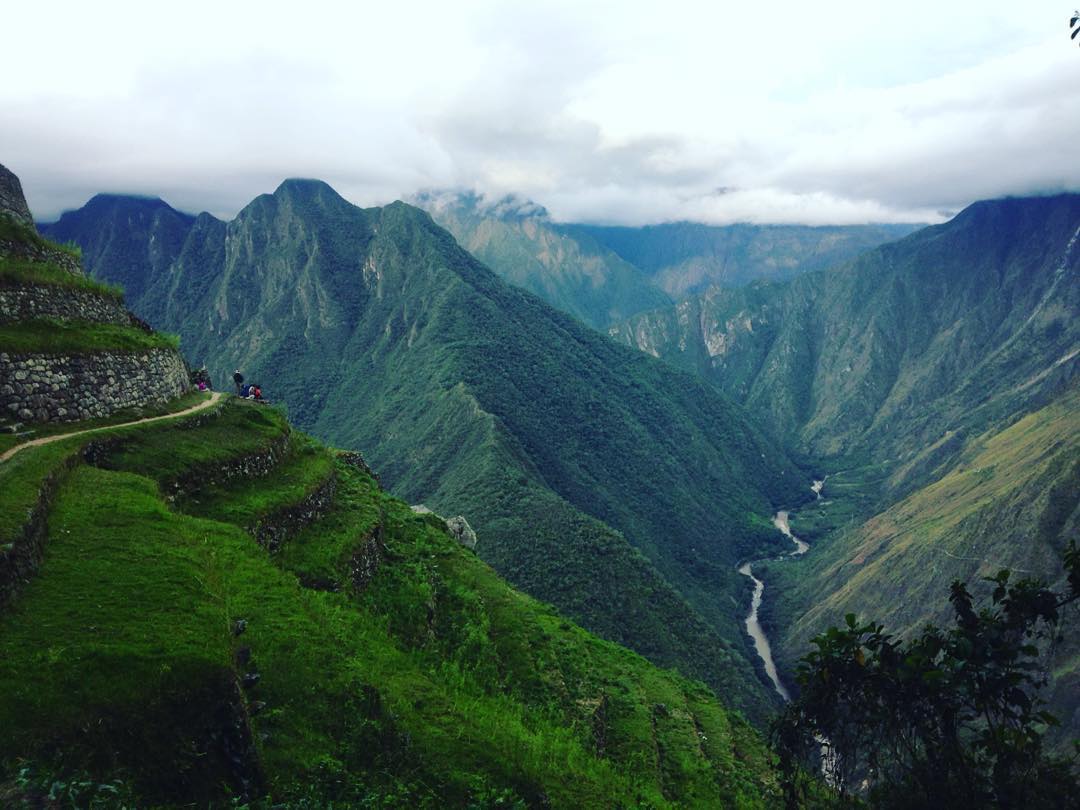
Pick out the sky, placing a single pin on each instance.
(608, 112)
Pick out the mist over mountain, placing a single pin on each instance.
(682, 258)
(621, 490)
(602, 275)
(517, 240)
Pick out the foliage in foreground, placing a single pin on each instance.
(951, 718)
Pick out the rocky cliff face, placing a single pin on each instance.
(12, 202)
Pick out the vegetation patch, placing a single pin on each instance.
(22, 271)
(53, 336)
(435, 685)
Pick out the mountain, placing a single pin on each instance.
(682, 258)
(138, 232)
(935, 379)
(160, 656)
(950, 329)
(603, 275)
(1010, 500)
(201, 606)
(518, 241)
(603, 481)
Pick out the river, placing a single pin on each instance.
(753, 626)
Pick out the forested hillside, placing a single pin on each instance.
(620, 490)
(950, 329)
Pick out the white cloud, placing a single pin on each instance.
(616, 112)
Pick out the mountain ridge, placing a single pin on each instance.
(365, 322)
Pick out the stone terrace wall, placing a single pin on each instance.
(64, 388)
(21, 303)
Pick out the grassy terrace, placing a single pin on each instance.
(49, 335)
(20, 271)
(9, 440)
(22, 475)
(436, 685)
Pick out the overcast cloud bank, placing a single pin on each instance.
(602, 112)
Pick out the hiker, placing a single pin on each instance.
(238, 378)
(245, 391)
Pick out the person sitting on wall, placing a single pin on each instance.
(238, 378)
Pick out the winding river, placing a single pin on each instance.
(753, 626)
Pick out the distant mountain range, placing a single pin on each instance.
(602, 275)
(949, 329)
(606, 482)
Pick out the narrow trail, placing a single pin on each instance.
(214, 397)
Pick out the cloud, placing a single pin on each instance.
(606, 112)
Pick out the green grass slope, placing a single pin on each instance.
(393, 666)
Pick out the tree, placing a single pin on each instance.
(950, 718)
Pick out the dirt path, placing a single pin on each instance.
(214, 397)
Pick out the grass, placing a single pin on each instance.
(168, 452)
(22, 475)
(244, 501)
(12, 231)
(20, 271)
(437, 685)
(50, 335)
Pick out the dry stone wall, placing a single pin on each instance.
(65, 388)
(21, 303)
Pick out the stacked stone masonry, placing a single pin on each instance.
(21, 303)
(65, 388)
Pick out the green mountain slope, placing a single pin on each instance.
(935, 378)
(1011, 500)
(162, 655)
(687, 257)
(143, 235)
(952, 328)
(573, 273)
(605, 482)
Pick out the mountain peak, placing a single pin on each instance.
(305, 187)
(107, 199)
